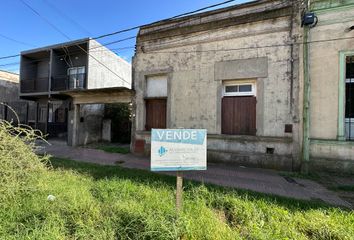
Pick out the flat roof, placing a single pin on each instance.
(58, 45)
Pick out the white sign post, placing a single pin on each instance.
(178, 150)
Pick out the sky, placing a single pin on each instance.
(22, 29)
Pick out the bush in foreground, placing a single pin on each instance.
(19, 165)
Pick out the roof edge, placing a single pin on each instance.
(45, 48)
(207, 13)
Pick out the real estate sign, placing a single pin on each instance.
(178, 149)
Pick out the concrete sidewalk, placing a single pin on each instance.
(259, 180)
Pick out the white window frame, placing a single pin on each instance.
(253, 92)
(78, 70)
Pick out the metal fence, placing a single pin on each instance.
(19, 112)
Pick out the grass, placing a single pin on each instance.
(114, 149)
(110, 202)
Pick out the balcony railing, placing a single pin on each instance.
(60, 83)
(34, 85)
(68, 82)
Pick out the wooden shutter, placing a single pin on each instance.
(155, 113)
(239, 115)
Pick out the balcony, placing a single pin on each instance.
(65, 68)
(68, 82)
(60, 83)
(34, 72)
(34, 85)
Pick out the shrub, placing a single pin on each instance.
(17, 159)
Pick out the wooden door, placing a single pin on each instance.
(155, 113)
(239, 115)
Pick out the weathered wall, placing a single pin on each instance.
(106, 130)
(9, 86)
(9, 94)
(196, 64)
(117, 74)
(88, 124)
(328, 39)
(8, 90)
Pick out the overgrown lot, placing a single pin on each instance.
(109, 202)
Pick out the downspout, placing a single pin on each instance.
(306, 100)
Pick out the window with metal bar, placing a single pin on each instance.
(349, 98)
(76, 77)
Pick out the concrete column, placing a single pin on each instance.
(106, 130)
(75, 125)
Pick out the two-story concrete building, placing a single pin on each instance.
(232, 71)
(70, 83)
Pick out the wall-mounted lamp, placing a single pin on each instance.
(309, 19)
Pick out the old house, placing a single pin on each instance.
(71, 82)
(327, 76)
(233, 71)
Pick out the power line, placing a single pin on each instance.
(167, 19)
(102, 45)
(16, 41)
(214, 50)
(9, 64)
(45, 19)
(117, 41)
(57, 29)
(200, 9)
(70, 53)
(136, 27)
(190, 19)
(67, 17)
(254, 47)
(10, 56)
(260, 10)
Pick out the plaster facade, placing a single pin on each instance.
(9, 86)
(9, 94)
(199, 53)
(329, 42)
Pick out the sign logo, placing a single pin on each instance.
(162, 151)
(178, 150)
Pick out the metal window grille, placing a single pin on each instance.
(349, 98)
(76, 77)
